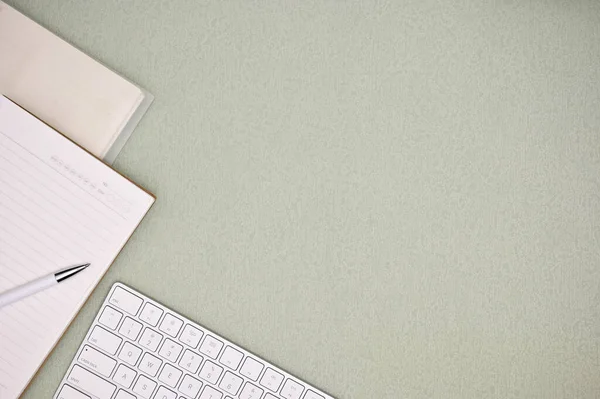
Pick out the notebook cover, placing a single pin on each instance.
(70, 91)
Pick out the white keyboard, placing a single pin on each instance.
(138, 349)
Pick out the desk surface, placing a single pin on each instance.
(388, 199)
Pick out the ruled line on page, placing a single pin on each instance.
(61, 175)
(40, 228)
(74, 197)
(51, 214)
(57, 200)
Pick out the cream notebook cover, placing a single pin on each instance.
(59, 206)
(76, 95)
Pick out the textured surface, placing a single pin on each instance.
(389, 199)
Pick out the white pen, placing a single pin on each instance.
(30, 288)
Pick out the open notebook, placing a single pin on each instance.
(59, 206)
(67, 89)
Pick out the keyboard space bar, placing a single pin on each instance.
(90, 383)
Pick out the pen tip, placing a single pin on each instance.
(69, 271)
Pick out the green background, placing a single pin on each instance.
(389, 199)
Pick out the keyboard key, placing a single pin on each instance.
(231, 383)
(164, 393)
(190, 361)
(211, 372)
(211, 346)
(68, 392)
(210, 393)
(170, 350)
(110, 317)
(271, 379)
(190, 386)
(130, 353)
(270, 396)
(150, 364)
(251, 368)
(97, 361)
(105, 340)
(124, 395)
(144, 387)
(170, 375)
(130, 328)
(126, 301)
(291, 390)
(251, 392)
(150, 339)
(124, 376)
(89, 382)
(310, 394)
(231, 358)
(151, 314)
(191, 336)
(171, 325)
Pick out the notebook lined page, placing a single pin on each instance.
(59, 206)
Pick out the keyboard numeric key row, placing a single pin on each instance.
(130, 328)
(190, 361)
(210, 372)
(170, 350)
(150, 339)
(231, 383)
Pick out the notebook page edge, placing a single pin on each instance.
(135, 222)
